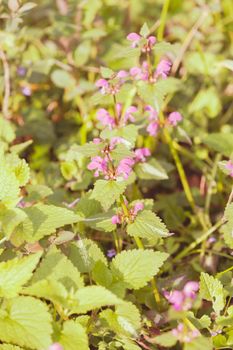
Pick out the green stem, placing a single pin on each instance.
(163, 20)
(199, 240)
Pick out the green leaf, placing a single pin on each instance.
(166, 339)
(27, 7)
(84, 254)
(9, 347)
(151, 170)
(201, 103)
(62, 79)
(220, 142)
(15, 273)
(199, 343)
(107, 192)
(226, 64)
(10, 219)
(9, 186)
(26, 322)
(82, 53)
(58, 267)
(120, 152)
(147, 225)
(106, 72)
(144, 31)
(211, 289)
(227, 228)
(94, 297)
(73, 336)
(137, 267)
(43, 220)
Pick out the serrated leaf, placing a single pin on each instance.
(10, 219)
(107, 192)
(147, 225)
(15, 273)
(84, 254)
(211, 289)
(58, 267)
(73, 336)
(106, 72)
(166, 339)
(94, 297)
(43, 220)
(90, 149)
(26, 322)
(137, 267)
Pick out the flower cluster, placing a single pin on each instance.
(121, 217)
(154, 123)
(146, 43)
(184, 334)
(113, 84)
(120, 118)
(183, 299)
(104, 164)
(143, 72)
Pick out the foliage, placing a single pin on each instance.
(116, 152)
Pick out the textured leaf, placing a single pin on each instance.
(9, 347)
(26, 322)
(15, 273)
(73, 336)
(211, 289)
(62, 79)
(82, 53)
(166, 339)
(144, 31)
(151, 170)
(199, 343)
(147, 225)
(58, 267)
(137, 267)
(220, 142)
(107, 192)
(84, 254)
(94, 297)
(43, 220)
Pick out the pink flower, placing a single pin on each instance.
(125, 167)
(105, 118)
(163, 69)
(141, 154)
(128, 113)
(174, 118)
(103, 84)
(55, 346)
(152, 128)
(97, 140)
(185, 335)
(116, 219)
(115, 141)
(139, 206)
(122, 74)
(136, 38)
(229, 166)
(183, 300)
(140, 73)
(153, 114)
(99, 165)
(190, 289)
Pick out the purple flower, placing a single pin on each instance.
(174, 118)
(141, 154)
(99, 165)
(185, 335)
(152, 128)
(103, 85)
(21, 71)
(163, 69)
(229, 166)
(136, 38)
(105, 118)
(55, 346)
(125, 167)
(111, 253)
(116, 219)
(140, 73)
(26, 91)
(183, 300)
(128, 113)
(139, 206)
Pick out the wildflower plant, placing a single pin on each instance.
(106, 242)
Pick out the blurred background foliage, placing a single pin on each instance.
(54, 51)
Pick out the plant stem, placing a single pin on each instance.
(198, 240)
(163, 20)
